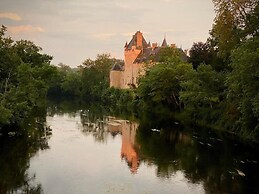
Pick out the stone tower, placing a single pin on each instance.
(131, 51)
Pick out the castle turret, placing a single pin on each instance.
(126, 45)
(149, 44)
(164, 43)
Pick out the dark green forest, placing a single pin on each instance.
(217, 87)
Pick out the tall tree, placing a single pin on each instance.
(95, 75)
(202, 94)
(160, 86)
(230, 24)
(25, 75)
(252, 21)
(243, 84)
(200, 53)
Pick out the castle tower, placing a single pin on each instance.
(164, 43)
(132, 50)
(137, 53)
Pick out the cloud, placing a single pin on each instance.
(104, 36)
(90, 27)
(128, 33)
(25, 29)
(11, 16)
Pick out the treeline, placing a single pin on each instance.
(219, 87)
(89, 82)
(27, 79)
(25, 76)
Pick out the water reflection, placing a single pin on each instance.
(221, 164)
(101, 127)
(127, 130)
(160, 156)
(16, 150)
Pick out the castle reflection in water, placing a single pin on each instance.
(128, 132)
(101, 128)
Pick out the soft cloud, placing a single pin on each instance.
(128, 34)
(11, 16)
(84, 28)
(104, 36)
(25, 29)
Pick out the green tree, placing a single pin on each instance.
(161, 85)
(72, 84)
(203, 94)
(200, 53)
(252, 20)
(103, 64)
(230, 24)
(170, 55)
(25, 75)
(29, 53)
(95, 76)
(243, 85)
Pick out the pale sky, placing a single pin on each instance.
(74, 30)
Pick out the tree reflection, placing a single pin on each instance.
(15, 154)
(94, 124)
(202, 156)
(217, 161)
(220, 163)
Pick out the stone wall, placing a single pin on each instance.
(116, 79)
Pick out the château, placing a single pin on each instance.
(137, 53)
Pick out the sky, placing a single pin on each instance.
(74, 30)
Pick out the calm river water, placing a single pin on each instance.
(81, 152)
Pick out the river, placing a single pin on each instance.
(84, 152)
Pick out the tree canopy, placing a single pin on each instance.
(25, 75)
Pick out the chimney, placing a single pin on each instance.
(173, 46)
(126, 44)
(154, 45)
(139, 39)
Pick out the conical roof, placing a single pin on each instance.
(164, 43)
(116, 67)
(133, 41)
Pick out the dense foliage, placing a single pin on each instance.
(221, 90)
(234, 61)
(25, 75)
(89, 82)
(161, 84)
(218, 87)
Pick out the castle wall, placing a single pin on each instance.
(131, 69)
(116, 79)
(130, 56)
(131, 75)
